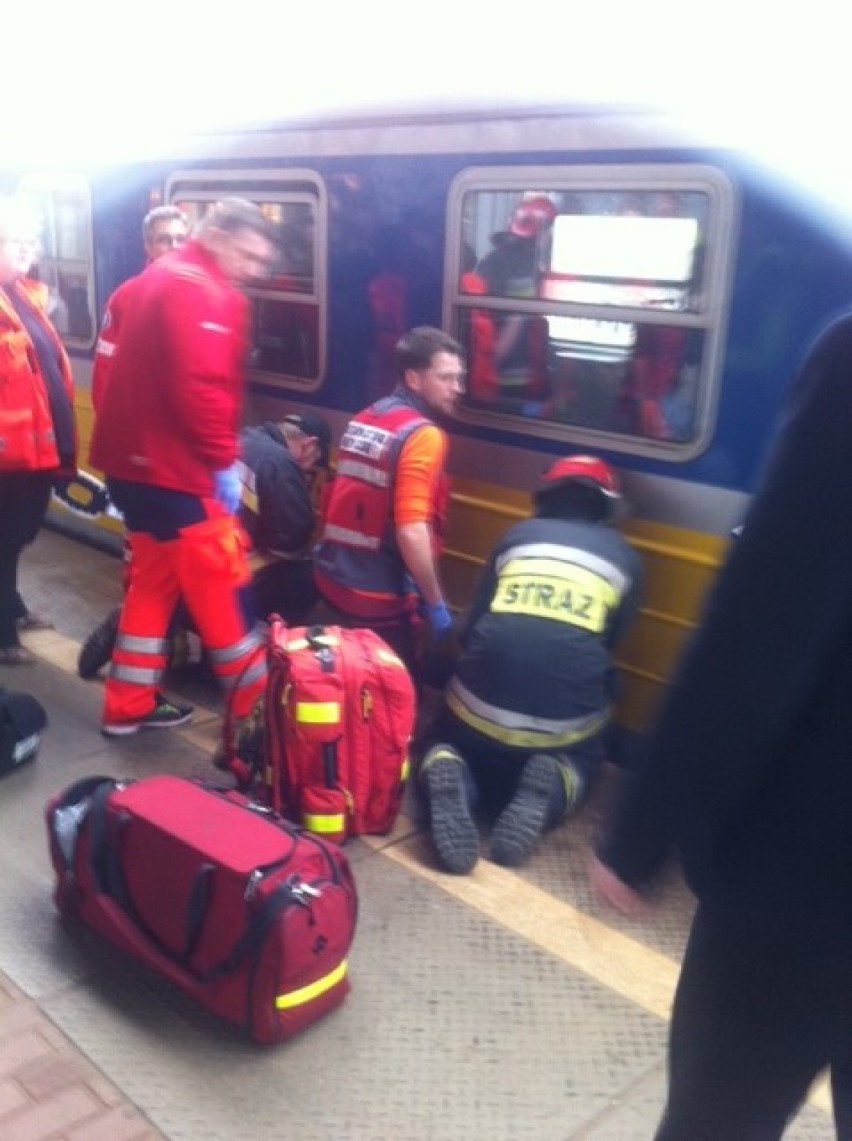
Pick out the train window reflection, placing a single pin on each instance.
(587, 306)
(288, 306)
(65, 260)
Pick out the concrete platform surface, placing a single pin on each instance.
(496, 1007)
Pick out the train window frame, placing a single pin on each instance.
(48, 186)
(285, 185)
(708, 317)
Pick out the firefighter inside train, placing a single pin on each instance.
(511, 269)
(525, 719)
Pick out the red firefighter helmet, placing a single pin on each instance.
(531, 216)
(584, 469)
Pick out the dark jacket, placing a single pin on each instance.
(748, 774)
(276, 506)
(536, 663)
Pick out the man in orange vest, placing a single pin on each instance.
(377, 560)
(166, 435)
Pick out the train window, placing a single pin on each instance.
(590, 303)
(289, 307)
(65, 262)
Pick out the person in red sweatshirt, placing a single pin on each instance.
(166, 436)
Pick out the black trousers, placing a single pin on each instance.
(286, 588)
(24, 497)
(763, 1005)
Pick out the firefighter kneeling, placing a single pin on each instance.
(523, 724)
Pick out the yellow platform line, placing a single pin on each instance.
(643, 976)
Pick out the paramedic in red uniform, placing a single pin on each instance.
(377, 560)
(163, 229)
(166, 435)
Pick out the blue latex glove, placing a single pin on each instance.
(439, 617)
(228, 488)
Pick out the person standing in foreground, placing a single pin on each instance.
(526, 712)
(377, 560)
(747, 775)
(163, 229)
(166, 435)
(38, 438)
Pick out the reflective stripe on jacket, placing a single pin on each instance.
(358, 563)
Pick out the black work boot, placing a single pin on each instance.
(538, 801)
(97, 649)
(454, 833)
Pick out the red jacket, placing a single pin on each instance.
(169, 416)
(27, 438)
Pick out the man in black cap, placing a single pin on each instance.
(278, 464)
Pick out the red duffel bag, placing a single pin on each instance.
(243, 911)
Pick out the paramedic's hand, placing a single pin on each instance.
(439, 617)
(227, 488)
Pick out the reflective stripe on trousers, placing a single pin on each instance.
(518, 730)
(206, 566)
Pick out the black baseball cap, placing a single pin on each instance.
(311, 424)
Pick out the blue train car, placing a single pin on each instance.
(619, 287)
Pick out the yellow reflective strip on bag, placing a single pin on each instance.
(317, 712)
(324, 822)
(387, 658)
(405, 771)
(312, 990)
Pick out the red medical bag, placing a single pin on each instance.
(339, 717)
(246, 913)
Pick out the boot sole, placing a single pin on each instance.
(521, 824)
(454, 833)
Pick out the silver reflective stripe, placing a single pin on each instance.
(253, 674)
(350, 538)
(511, 719)
(135, 644)
(235, 651)
(134, 675)
(358, 470)
(572, 555)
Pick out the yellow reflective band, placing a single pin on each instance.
(387, 658)
(324, 822)
(312, 990)
(523, 738)
(546, 588)
(405, 771)
(317, 712)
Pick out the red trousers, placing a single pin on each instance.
(206, 566)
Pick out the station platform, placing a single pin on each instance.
(502, 1006)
